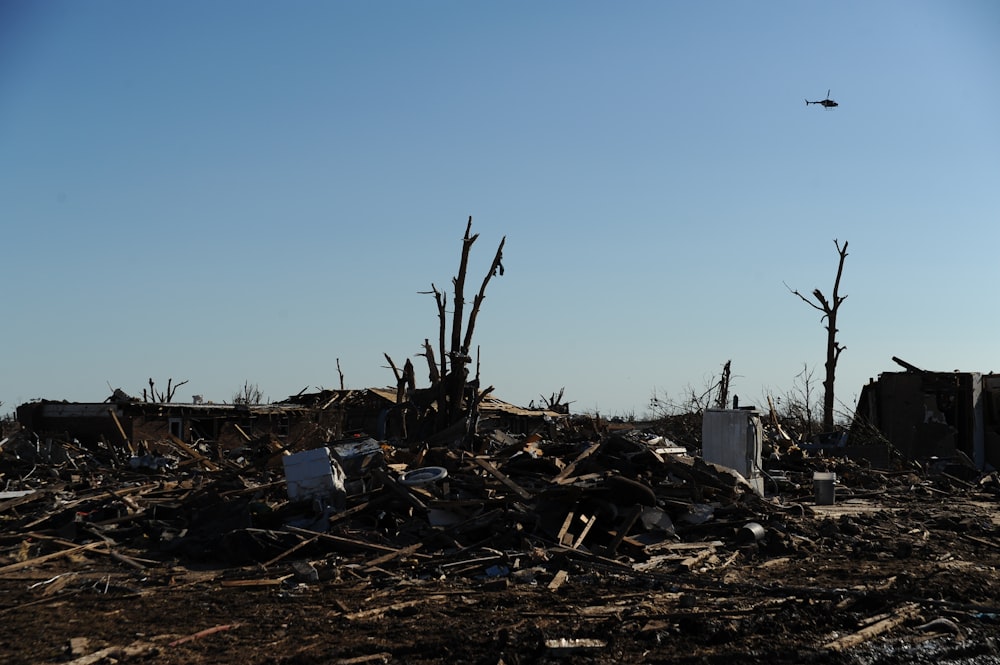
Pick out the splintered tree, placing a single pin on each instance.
(829, 309)
(165, 397)
(451, 402)
(249, 394)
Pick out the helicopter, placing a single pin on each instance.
(827, 103)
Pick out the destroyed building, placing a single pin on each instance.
(300, 419)
(925, 414)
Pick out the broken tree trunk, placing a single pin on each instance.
(455, 396)
(833, 347)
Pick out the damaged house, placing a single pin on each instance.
(927, 414)
(299, 421)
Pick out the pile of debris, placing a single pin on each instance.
(624, 496)
(511, 510)
(629, 497)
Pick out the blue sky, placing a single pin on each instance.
(233, 192)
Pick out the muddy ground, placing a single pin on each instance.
(902, 568)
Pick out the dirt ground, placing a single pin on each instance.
(902, 568)
(925, 565)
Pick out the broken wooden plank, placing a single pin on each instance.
(134, 562)
(33, 495)
(499, 475)
(680, 547)
(271, 581)
(121, 430)
(127, 560)
(583, 480)
(400, 490)
(583, 534)
(571, 467)
(558, 580)
(406, 551)
(127, 500)
(561, 536)
(380, 657)
(698, 559)
(379, 611)
(292, 550)
(355, 544)
(903, 614)
(205, 633)
(208, 464)
(113, 654)
(48, 557)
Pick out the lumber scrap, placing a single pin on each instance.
(205, 633)
(350, 542)
(389, 556)
(379, 611)
(48, 557)
(291, 550)
(902, 614)
(583, 534)
(490, 468)
(399, 489)
(121, 430)
(561, 536)
(21, 500)
(256, 582)
(558, 579)
(137, 649)
(191, 452)
(570, 468)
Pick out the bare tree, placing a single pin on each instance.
(167, 396)
(449, 374)
(722, 399)
(554, 402)
(249, 394)
(829, 308)
(798, 404)
(695, 401)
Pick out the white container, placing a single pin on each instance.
(313, 474)
(734, 438)
(823, 484)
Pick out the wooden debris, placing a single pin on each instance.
(558, 580)
(205, 633)
(194, 454)
(395, 607)
(496, 473)
(902, 614)
(567, 471)
(390, 556)
(273, 581)
(583, 534)
(137, 649)
(381, 657)
(48, 557)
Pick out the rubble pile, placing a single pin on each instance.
(585, 518)
(619, 497)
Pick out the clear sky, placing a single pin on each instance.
(231, 192)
